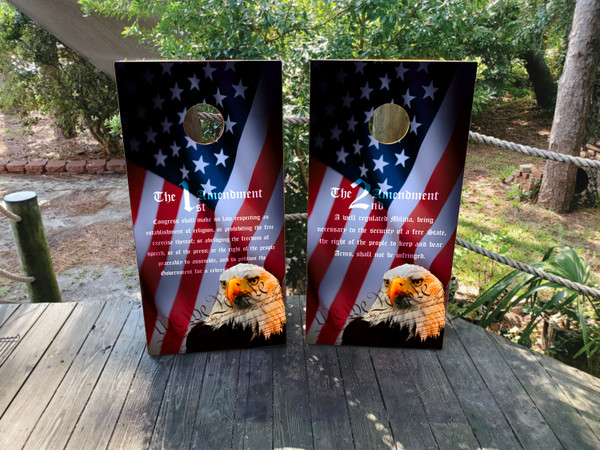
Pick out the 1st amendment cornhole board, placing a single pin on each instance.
(387, 152)
(203, 144)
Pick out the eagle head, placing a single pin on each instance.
(250, 296)
(410, 296)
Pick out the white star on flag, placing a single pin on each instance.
(352, 124)
(401, 158)
(385, 82)
(208, 71)
(408, 98)
(175, 149)
(414, 125)
(191, 143)
(424, 67)
(194, 81)
(221, 157)
(360, 67)
(182, 115)
(184, 172)
(373, 142)
(166, 125)
(150, 135)
(429, 91)
(158, 101)
(347, 100)
(357, 147)
(335, 133)
(365, 91)
(176, 92)
(384, 187)
(368, 114)
(219, 97)
(229, 124)
(363, 170)
(208, 188)
(160, 158)
(240, 90)
(341, 154)
(380, 164)
(200, 165)
(400, 71)
(134, 144)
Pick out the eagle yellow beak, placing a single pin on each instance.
(234, 287)
(396, 289)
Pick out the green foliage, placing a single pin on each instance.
(540, 299)
(295, 31)
(41, 75)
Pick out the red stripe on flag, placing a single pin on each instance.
(264, 179)
(276, 256)
(136, 176)
(323, 253)
(353, 280)
(150, 270)
(442, 264)
(189, 285)
(442, 182)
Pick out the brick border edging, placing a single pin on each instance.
(39, 166)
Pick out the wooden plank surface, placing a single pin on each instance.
(80, 377)
(64, 410)
(485, 416)
(291, 421)
(529, 425)
(20, 419)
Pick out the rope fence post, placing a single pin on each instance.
(32, 246)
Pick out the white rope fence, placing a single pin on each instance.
(477, 137)
(581, 288)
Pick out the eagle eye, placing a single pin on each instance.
(386, 283)
(253, 281)
(224, 284)
(418, 282)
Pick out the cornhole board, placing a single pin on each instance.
(203, 145)
(387, 151)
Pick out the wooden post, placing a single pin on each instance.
(32, 246)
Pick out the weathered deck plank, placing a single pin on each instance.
(36, 336)
(20, 419)
(368, 416)
(291, 422)
(448, 422)
(100, 415)
(64, 410)
(529, 425)
(483, 413)
(80, 377)
(408, 420)
(561, 416)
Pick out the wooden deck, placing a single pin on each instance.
(76, 375)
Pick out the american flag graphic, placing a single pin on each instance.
(199, 209)
(375, 206)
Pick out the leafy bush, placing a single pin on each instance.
(41, 75)
(540, 299)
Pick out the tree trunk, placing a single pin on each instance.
(572, 104)
(544, 86)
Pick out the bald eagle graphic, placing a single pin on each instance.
(409, 311)
(249, 311)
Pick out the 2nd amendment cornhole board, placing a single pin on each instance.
(387, 152)
(203, 144)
